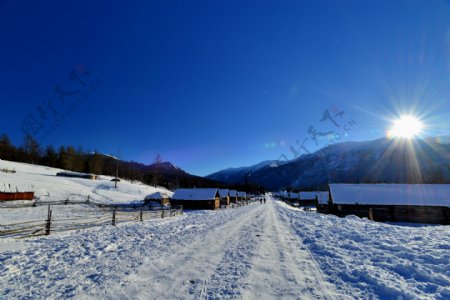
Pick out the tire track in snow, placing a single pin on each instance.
(188, 271)
(282, 269)
(226, 282)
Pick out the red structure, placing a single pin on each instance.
(9, 193)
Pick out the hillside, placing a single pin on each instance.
(381, 160)
(49, 187)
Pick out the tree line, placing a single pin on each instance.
(77, 159)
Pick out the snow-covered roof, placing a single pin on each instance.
(308, 195)
(223, 192)
(322, 197)
(195, 194)
(156, 196)
(391, 194)
(293, 196)
(233, 193)
(15, 188)
(241, 194)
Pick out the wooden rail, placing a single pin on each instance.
(51, 223)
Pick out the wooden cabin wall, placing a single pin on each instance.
(392, 213)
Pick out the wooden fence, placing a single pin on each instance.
(111, 216)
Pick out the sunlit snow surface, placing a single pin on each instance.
(375, 260)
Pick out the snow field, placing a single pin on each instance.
(49, 187)
(371, 260)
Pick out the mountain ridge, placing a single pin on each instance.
(380, 160)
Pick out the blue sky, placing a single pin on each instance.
(215, 84)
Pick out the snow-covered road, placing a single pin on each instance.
(251, 257)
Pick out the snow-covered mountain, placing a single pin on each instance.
(237, 175)
(381, 160)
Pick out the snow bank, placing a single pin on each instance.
(370, 260)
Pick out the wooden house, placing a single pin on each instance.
(308, 198)
(224, 197)
(241, 196)
(292, 198)
(276, 195)
(206, 198)
(418, 203)
(283, 196)
(233, 196)
(11, 192)
(159, 198)
(322, 201)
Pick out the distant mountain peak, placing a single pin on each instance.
(381, 160)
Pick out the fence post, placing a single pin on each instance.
(114, 218)
(140, 216)
(48, 222)
(88, 200)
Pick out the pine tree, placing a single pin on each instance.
(63, 159)
(7, 150)
(32, 150)
(95, 163)
(50, 157)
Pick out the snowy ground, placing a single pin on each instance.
(269, 251)
(49, 187)
(371, 260)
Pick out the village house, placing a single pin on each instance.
(322, 200)
(224, 197)
(233, 196)
(10, 192)
(293, 198)
(419, 203)
(204, 198)
(308, 198)
(158, 198)
(241, 197)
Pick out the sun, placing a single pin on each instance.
(406, 127)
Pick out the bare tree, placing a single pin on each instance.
(158, 159)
